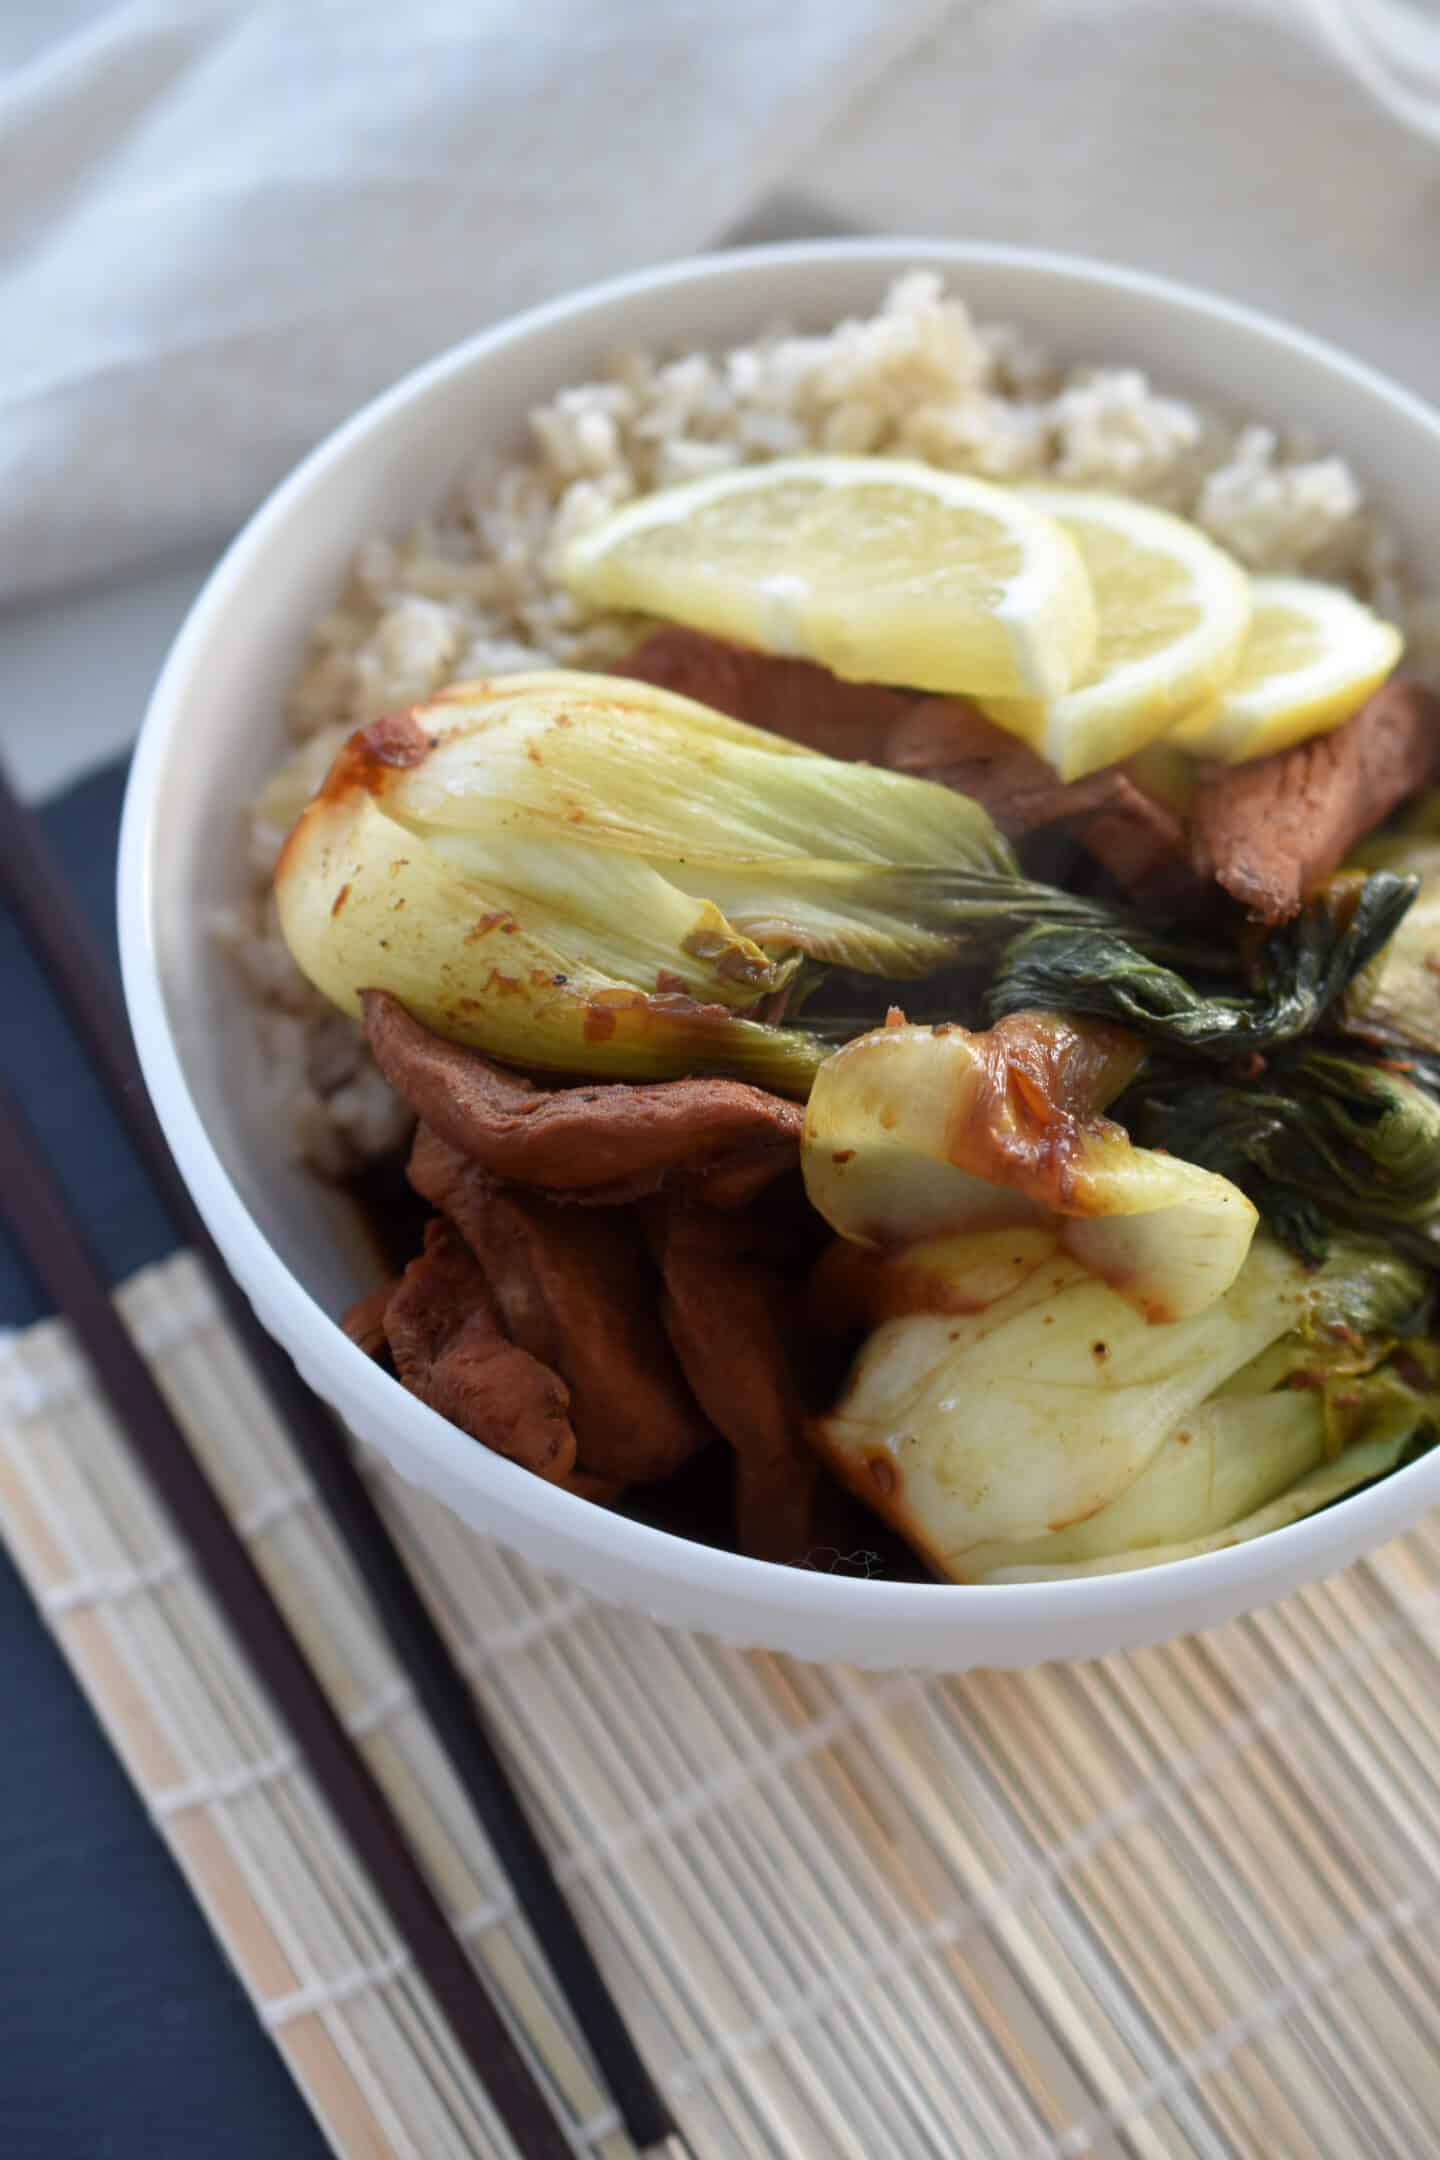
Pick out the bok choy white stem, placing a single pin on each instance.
(915, 1132)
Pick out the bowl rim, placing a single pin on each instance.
(1226, 1578)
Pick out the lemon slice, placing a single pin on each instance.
(1174, 610)
(882, 569)
(1313, 656)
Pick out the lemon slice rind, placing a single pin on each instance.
(1265, 708)
(1135, 698)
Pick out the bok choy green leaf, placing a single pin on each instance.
(1323, 1143)
(1303, 968)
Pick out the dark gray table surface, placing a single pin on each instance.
(123, 2033)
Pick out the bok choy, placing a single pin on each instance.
(1396, 997)
(1303, 969)
(589, 874)
(1050, 1431)
(1322, 1142)
(913, 1133)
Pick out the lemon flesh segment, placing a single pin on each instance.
(1174, 610)
(1313, 655)
(881, 569)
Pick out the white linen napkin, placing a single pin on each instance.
(224, 223)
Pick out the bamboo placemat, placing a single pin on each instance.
(1178, 1902)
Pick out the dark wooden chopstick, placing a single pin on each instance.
(31, 885)
(46, 1232)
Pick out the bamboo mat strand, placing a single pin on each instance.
(1184, 1902)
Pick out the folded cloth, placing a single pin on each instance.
(223, 223)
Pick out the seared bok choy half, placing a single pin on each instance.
(587, 874)
(913, 1131)
(1049, 1431)
(1015, 1410)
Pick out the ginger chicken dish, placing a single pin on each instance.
(878, 899)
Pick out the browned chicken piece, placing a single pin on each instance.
(1273, 830)
(578, 1290)
(794, 698)
(596, 1143)
(1138, 839)
(731, 1312)
(449, 1347)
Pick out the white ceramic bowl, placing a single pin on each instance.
(213, 729)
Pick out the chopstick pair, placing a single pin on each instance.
(47, 1233)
